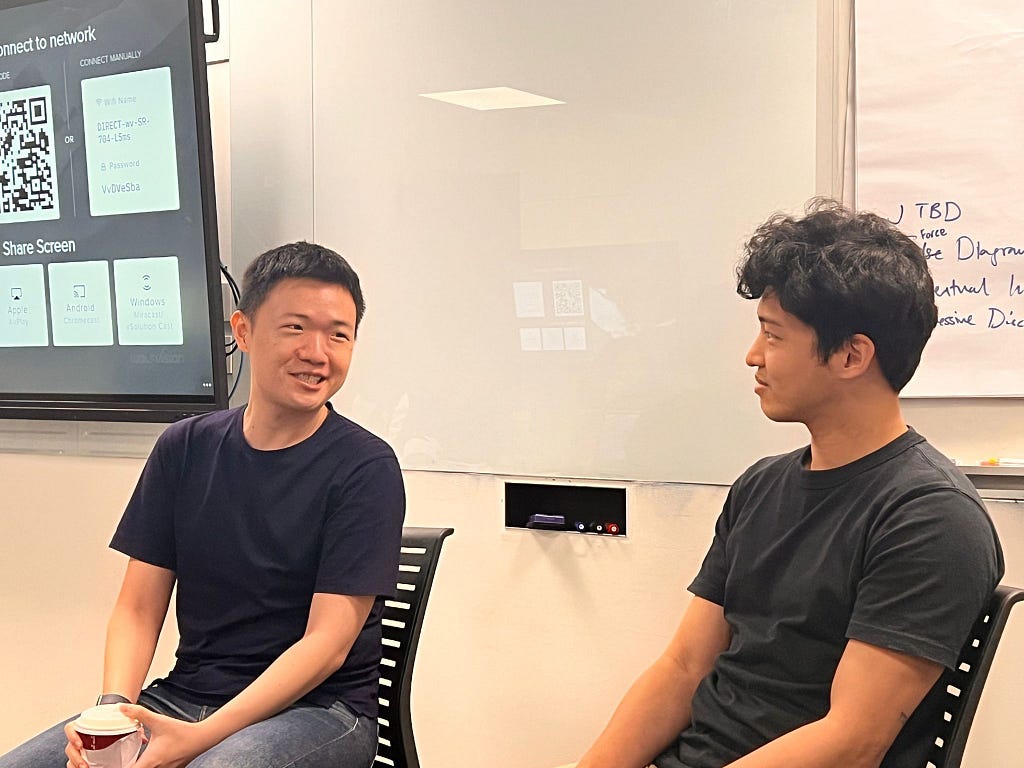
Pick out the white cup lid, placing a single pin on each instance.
(105, 719)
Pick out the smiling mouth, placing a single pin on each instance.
(309, 378)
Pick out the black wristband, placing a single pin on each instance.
(112, 698)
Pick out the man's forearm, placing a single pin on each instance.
(874, 692)
(653, 712)
(134, 627)
(334, 624)
(131, 643)
(297, 671)
(823, 743)
(658, 705)
(174, 743)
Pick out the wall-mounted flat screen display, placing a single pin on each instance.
(110, 302)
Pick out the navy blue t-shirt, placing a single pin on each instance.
(251, 535)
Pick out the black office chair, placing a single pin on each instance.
(402, 620)
(964, 683)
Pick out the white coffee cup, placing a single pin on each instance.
(110, 739)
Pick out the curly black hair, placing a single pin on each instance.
(843, 273)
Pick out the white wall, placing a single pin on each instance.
(530, 637)
(58, 582)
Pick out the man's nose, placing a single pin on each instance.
(754, 357)
(315, 348)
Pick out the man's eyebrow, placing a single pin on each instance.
(768, 321)
(301, 316)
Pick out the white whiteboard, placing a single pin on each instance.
(550, 290)
(940, 122)
(698, 159)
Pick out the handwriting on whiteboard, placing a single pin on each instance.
(978, 285)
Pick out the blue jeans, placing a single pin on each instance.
(302, 736)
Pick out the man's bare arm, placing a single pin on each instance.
(134, 627)
(132, 633)
(657, 706)
(333, 626)
(874, 692)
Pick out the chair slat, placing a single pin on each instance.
(964, 683)
(401, 624)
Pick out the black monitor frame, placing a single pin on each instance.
(158, 408)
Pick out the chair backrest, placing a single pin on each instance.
(964, 683)
(402, 620)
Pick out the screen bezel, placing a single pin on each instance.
(160, 408)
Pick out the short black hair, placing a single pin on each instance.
(298, 260)
(842, 273)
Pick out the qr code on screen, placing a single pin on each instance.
(28, 163)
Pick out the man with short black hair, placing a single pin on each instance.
(843, 576)
(280, 524)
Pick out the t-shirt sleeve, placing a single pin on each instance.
(146, 530)
(710, 580)
(929, 568)
(363, 532)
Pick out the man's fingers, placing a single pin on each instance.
(136, 712)
(72, 735)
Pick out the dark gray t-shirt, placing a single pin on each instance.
(251, 535)
(895, 549)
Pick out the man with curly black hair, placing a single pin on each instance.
(843, 576)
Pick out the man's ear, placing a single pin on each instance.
(241, 327)
(855, 357)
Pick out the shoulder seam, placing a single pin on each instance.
(951, 485)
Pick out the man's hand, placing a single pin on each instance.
(172, 743)
(74, 748)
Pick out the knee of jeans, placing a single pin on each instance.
(221, 759)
